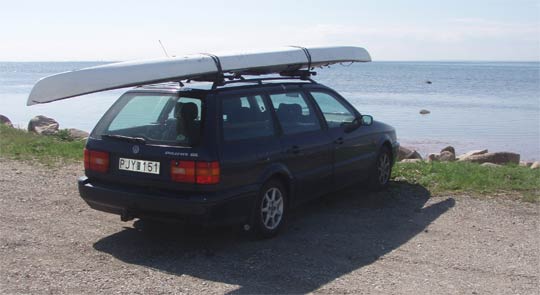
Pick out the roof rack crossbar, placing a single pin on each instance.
(260, 80)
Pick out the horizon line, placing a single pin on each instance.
(381, 60)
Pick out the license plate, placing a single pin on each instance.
(138, 165)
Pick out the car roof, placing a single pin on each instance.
(207, 87)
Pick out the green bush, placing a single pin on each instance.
(21, 145)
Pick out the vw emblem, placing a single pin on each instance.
(135, 149)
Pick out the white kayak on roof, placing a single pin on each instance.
(141, 72)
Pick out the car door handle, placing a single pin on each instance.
(339, 141)
(294, 150)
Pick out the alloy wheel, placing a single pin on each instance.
(272, 208)
(383, 168)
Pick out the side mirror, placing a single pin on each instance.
(357, 122)
(366, 120)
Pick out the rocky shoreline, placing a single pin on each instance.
(44, 125)
(482, 157)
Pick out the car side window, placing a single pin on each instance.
(294, 112)
(335, 113)
(245, 117)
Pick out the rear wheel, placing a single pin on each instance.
(380, 175)
(270, 210)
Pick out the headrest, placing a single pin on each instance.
(187, 111)
(290, 109)
(295, 109)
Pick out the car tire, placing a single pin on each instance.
(270, 212)
(379, 178)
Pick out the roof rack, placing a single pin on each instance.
(230, 78)
(222, 80)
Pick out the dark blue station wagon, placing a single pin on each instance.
(241, 153)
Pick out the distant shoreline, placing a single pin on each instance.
(374, 61)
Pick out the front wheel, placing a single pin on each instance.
(271, 209)
(380, 175)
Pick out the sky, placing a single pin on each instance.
(99, 30)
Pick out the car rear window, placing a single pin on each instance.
(155, 118)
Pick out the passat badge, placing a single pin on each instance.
(135, 149)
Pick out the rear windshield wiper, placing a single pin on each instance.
(141, 140)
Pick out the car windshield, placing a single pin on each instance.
(158, 118)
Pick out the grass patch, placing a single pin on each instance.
(21, 145)
(441, 177)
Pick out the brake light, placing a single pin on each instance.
(96, 161)
(183, 171)
(195, 172)
(207, 172)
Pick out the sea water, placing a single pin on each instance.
(473, 105)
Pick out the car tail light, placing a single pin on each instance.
(195, 172)
(183, 171)
(207, 172)
(96, 161)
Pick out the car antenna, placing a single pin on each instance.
(163, 47)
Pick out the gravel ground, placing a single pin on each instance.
(401, 241)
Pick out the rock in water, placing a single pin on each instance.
(77, 134)
(449, 149)
(471, 153)
(424, 112)
(433, 157)
(43, 125)
(406, 153)
(5, 120)
(415, 155)
(428, 82)
(447, 156)
(496, 158)
(403, 152)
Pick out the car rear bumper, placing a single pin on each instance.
(210, 209)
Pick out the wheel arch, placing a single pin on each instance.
(386, 141)
(281, 173)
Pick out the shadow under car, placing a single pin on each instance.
(324, 240)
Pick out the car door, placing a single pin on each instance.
(247, 134)
(305, 145)
(353, 146)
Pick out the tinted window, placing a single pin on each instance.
(245, 117)
(294, 112)
(335, 113)
(139, 111)
(163, 119)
